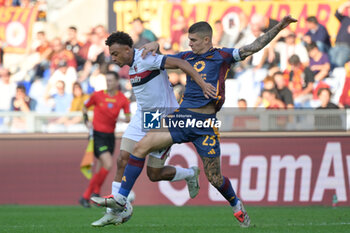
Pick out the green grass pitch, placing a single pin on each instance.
(188, 219)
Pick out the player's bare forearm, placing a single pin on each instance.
(175, 63)
(263, 40)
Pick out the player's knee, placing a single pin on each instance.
(153, 174)
(106, 161)
(141, 148)
(137, 148)
(107, 165)
(122, 160)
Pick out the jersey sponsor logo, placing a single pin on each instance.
(199, 66)
(143, 77)
(136, 79)
(110, 105)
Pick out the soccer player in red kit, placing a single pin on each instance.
(107, 105)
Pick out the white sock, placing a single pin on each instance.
(237, 207)
(182, 173)
(115, 189)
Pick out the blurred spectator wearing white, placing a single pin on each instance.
(95, 48)
(256, 27)
(288, 48)
(253, 69)
(7, 89)
(317, 33)
(64, 73)
(97, 80)
(102, 34)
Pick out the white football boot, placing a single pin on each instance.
(193, 182)
(242, 215)
(115, 216)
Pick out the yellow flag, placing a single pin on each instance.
(87, 161)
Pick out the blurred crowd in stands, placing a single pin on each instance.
(293, 71)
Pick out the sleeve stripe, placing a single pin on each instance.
(162, 64)
(235, 54)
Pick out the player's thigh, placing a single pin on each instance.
(127, 144)
(154, 140)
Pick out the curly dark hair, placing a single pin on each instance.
(119, 38)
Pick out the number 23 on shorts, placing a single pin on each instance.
(209, 140)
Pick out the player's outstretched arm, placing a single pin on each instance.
(149, 47)
(176, 63)
(263, 40)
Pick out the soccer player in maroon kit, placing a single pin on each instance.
(107, 105)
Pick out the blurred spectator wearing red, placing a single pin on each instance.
(270, 99)
(74, 45)
(60, 53)
(344, 101)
